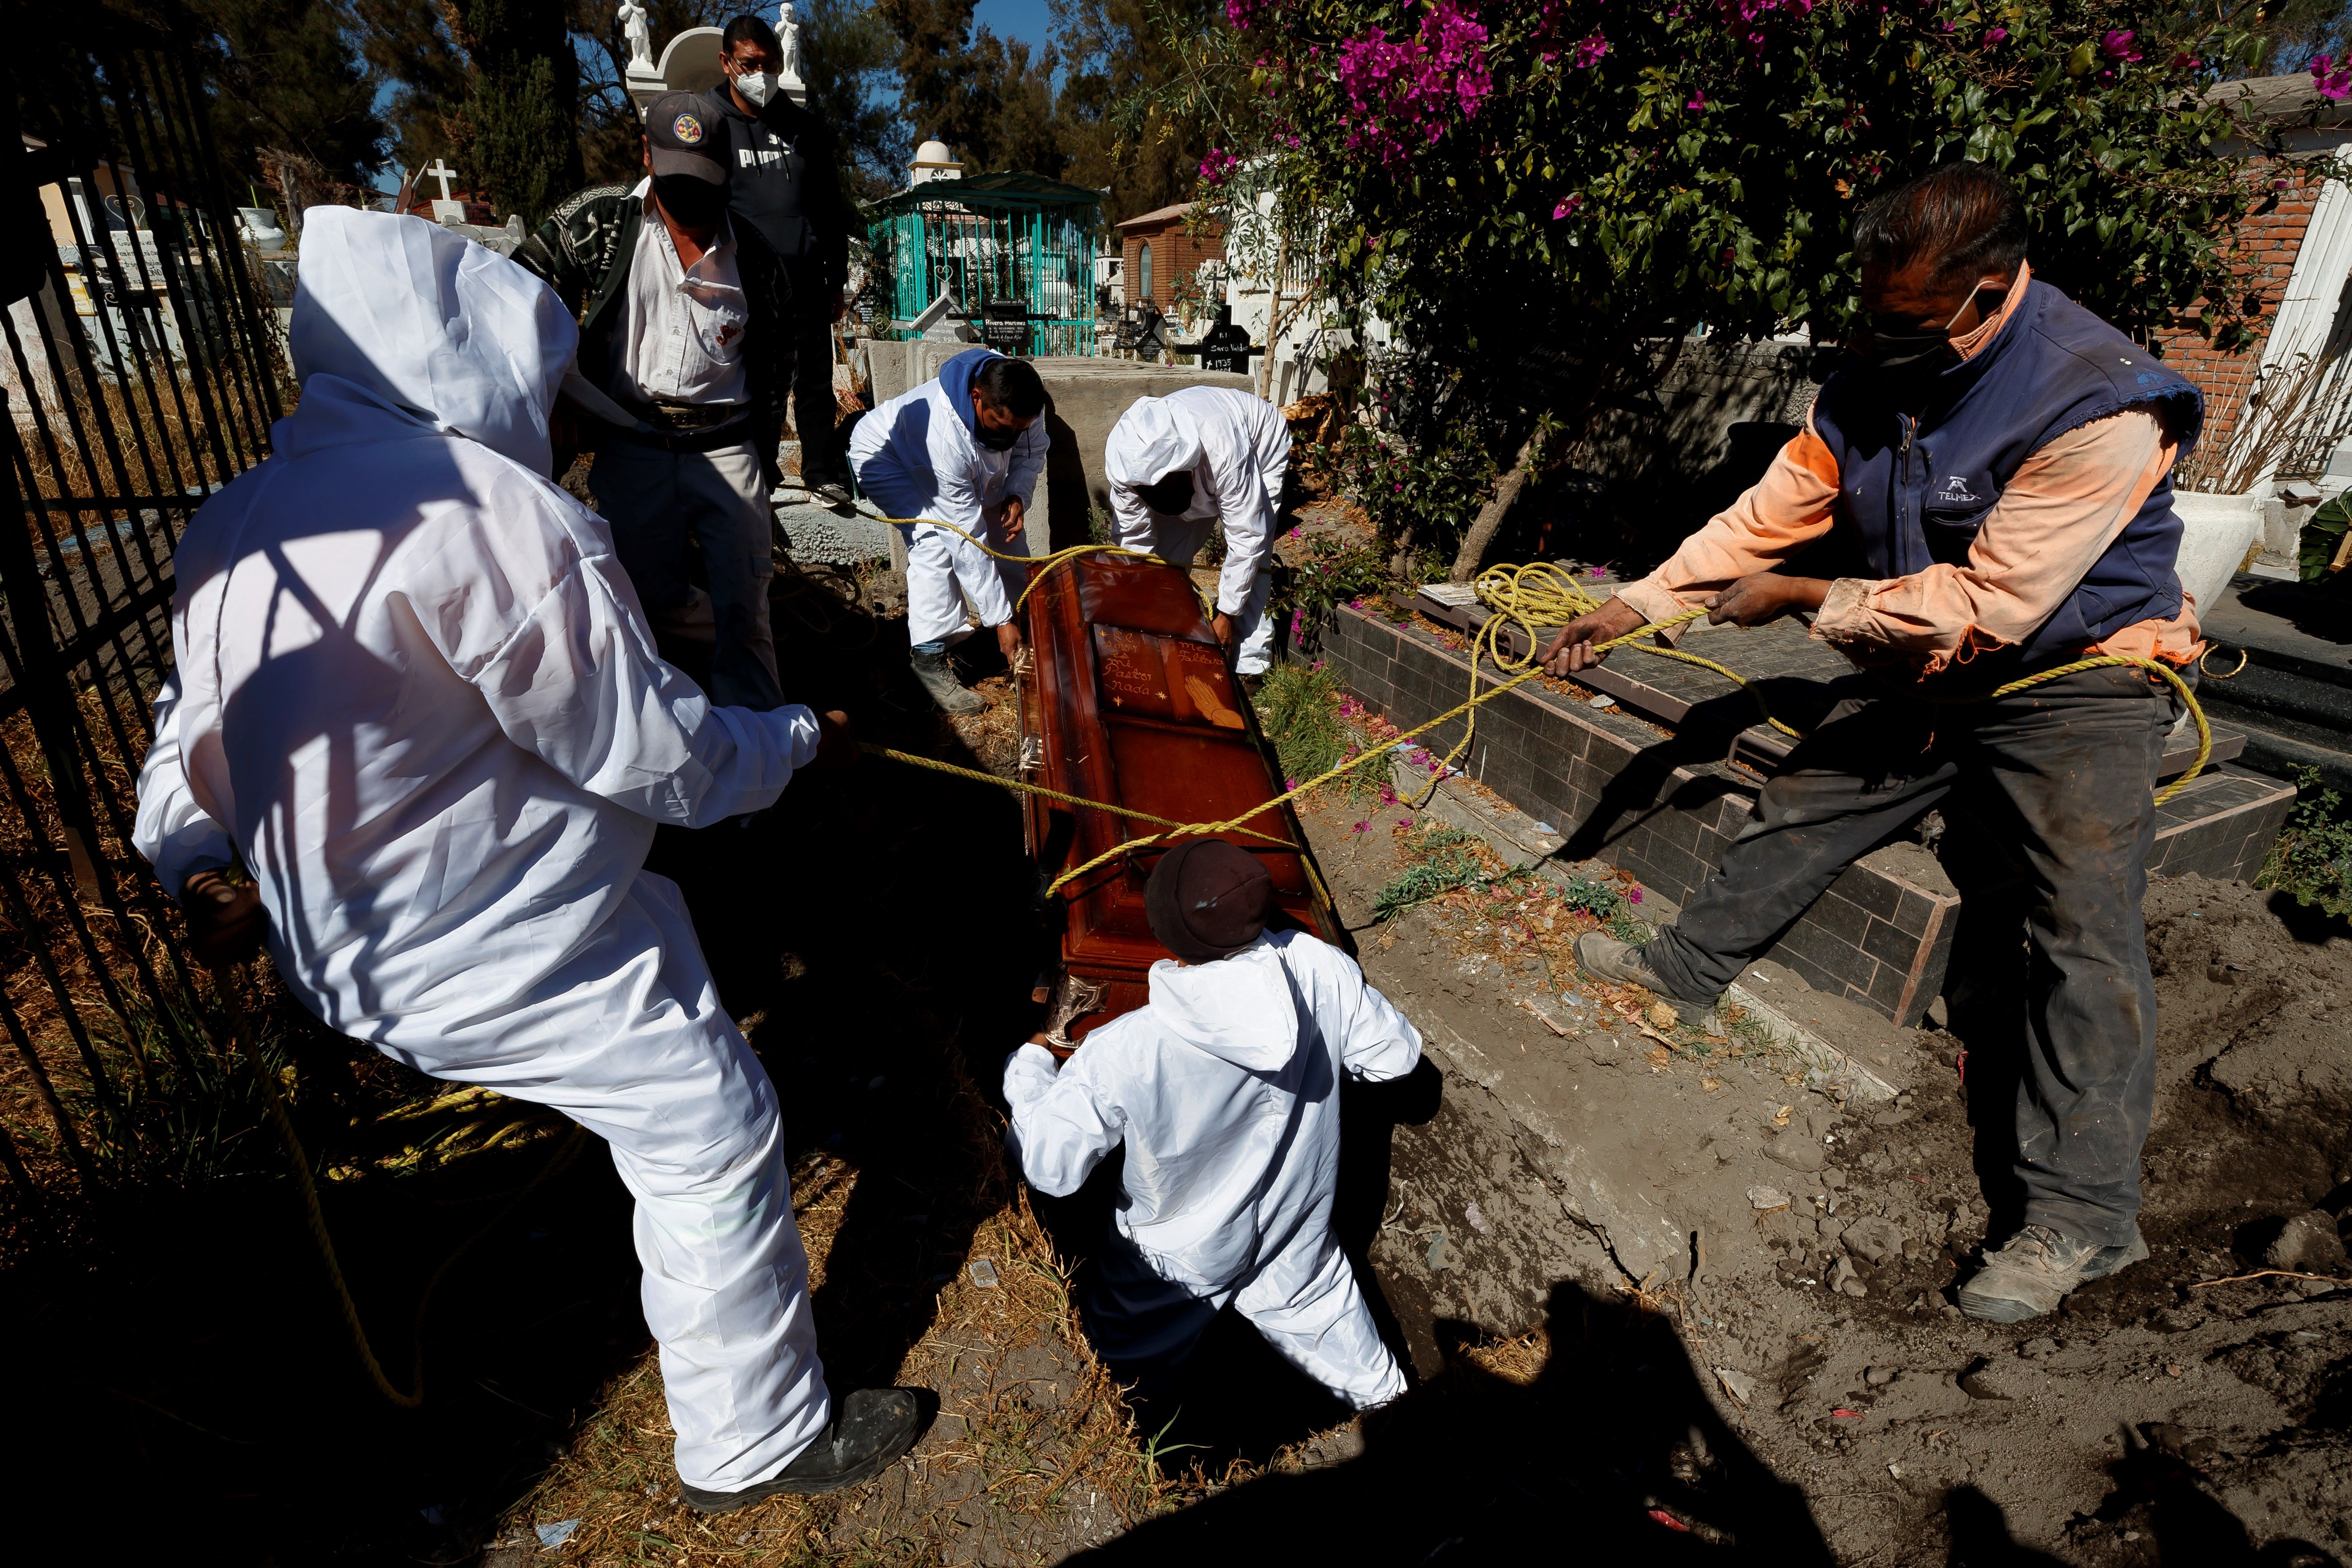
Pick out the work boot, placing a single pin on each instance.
(1621, 963)
(938, 679)
(830, 493)
(2035, 1268)
(871, 1427)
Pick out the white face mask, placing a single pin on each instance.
(757, 88)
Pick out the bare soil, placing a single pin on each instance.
(1842, 1410)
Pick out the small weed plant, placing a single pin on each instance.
(2312, 860)
(1444, 860)
(1315, 726)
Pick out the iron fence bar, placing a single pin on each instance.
(262, 350)
(102, 503)
(69, 405)
(229, 257)
(119, 275)
(129, 122)
(68, 1138)
(42, 672)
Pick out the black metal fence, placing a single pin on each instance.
(142, 373)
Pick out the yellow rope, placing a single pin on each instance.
(1534, 597)
(241, 1025)
(1045, 563)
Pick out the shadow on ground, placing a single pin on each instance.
(1613, 1446)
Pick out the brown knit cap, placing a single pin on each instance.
(1207, 899)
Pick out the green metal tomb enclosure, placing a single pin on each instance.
(994, 237)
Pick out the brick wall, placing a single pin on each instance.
(2266, 245)
(1174, 255)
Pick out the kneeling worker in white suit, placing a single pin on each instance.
(425, 710)
(1182, 464)
(964, 448)
(1225, 1090)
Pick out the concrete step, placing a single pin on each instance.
(1663, 802)
(2281, 670)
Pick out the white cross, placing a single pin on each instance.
(437, 170)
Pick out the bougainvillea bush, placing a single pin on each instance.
(1541, 192)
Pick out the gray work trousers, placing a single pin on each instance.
(2059, 776)
(656, 500)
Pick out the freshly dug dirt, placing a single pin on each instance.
(2155, 1418)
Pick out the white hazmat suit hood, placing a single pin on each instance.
(415, 692)
(1154, 438)
(433, 326)
(1239, 1010)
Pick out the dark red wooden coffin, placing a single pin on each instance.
(1130, 700)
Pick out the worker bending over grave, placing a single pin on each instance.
(965, 450)
(1180, 465)
(425, 710)
(2000, 458)
(1225, 1090)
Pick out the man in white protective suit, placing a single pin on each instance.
(417, 696)
(1182, 464)
(1225, 1090)
(965, 449)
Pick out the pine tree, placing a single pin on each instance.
(523, 112)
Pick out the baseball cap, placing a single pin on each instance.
(686, 138)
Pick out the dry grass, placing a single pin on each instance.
(1032, 1453)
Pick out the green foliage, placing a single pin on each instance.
(1333, 572)
(2321, 538)
(289, 82)
(1426, 492)
(524, 109)
(2312, 860)
(1444, 860)
(1302, 711)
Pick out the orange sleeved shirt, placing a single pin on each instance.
(2059, 512)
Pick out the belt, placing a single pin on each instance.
(709, 438)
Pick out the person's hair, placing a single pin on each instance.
(1169, 495)
(750, 30)
(1012, 386)
(1959, 218)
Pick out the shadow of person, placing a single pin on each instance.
(1613, 1446)
(1980, 1537)
(2158, 1487)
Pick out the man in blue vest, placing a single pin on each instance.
(2000, 459)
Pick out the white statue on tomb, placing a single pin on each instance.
(788, 34)
(635, 27)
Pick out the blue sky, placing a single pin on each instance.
(1027, 20)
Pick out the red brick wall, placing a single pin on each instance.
(2266, 245)
(1174, 255)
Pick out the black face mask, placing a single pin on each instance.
(1894, 344)
(994, 440)
(691, 203)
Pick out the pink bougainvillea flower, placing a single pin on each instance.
(1405, 93)
(2118, 45)
(1218, 166)
(1404, 821)
(1569, 203)
(1697, 100)
(1364, 826)
(1589, 52)
(1242, 13)
(1597, 572)
(1994, 36)
(2332, 77)
(1636, 895)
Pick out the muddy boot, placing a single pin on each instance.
(1621, 963)
(2035, 1268)
(938, 679)
(871, 1427)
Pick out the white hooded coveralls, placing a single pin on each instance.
(413, 688)
(1225, 1090)
(1236, 446)
(914, 456)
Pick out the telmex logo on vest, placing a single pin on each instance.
(1956, 489)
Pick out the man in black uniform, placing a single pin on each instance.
(779, 157)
